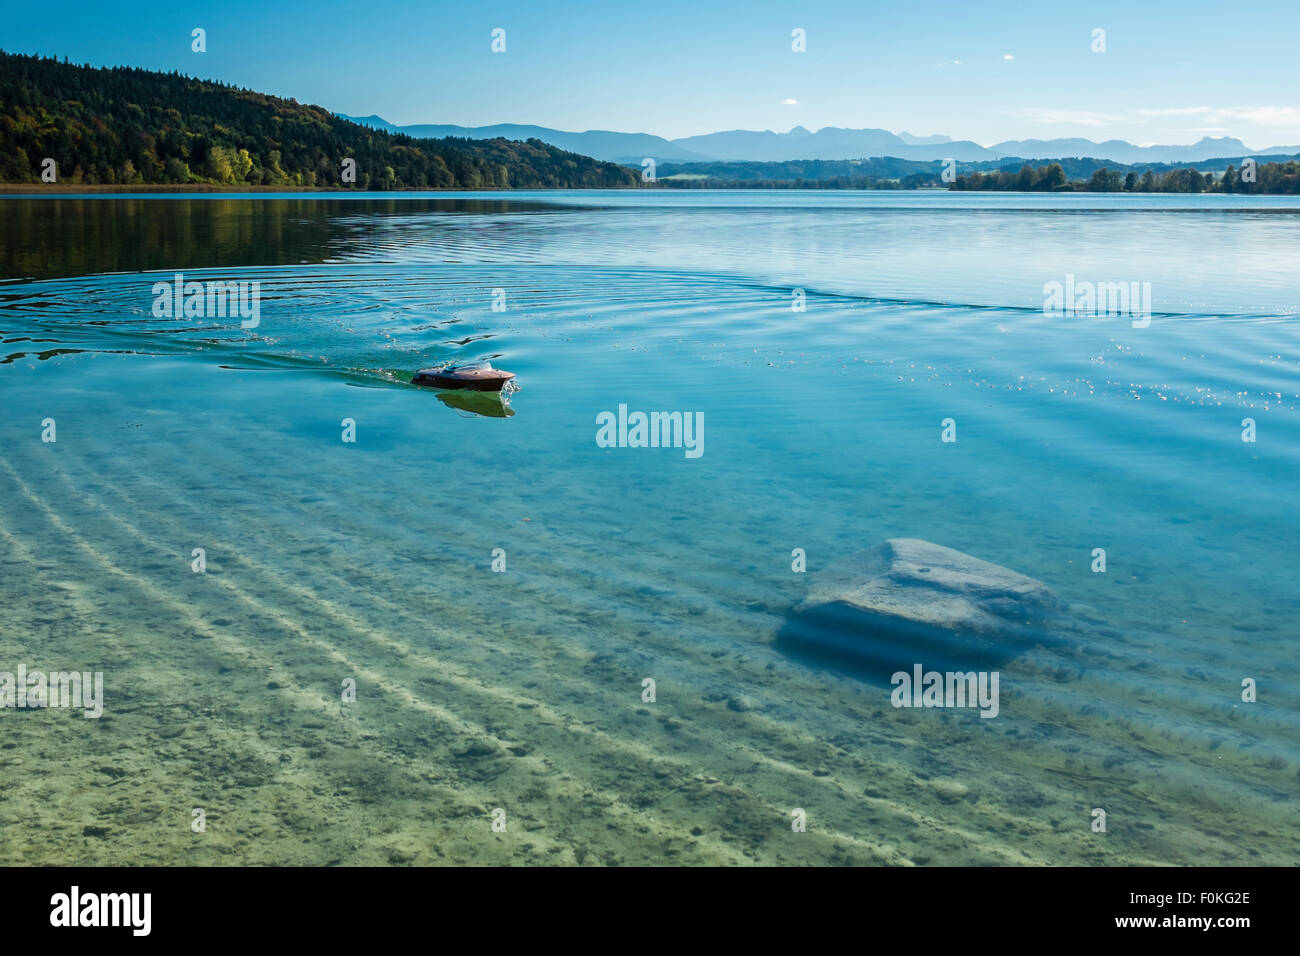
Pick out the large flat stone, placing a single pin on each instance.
(910, 601)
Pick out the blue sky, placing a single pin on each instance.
(1171, 72)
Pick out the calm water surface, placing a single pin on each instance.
(372, 561)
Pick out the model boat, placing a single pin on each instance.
(474, 376)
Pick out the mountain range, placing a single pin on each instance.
(830, 142)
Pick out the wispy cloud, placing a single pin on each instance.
(1176, 111)
(1274, 116)
(789, 102)
(1278, 124)
(1007, 56)
(1067, 117)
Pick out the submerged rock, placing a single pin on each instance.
(909, 601)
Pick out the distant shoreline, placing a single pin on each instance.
(33, 189)
(54, 190)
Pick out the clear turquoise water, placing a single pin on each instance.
(522, 690)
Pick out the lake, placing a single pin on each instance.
(437, 642)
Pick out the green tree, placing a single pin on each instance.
(1104, 181)
(218, 166)
(1054, 177)
(177, 171)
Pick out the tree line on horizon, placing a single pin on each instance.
(1065, 175)
(125, 126)
(1267, 178)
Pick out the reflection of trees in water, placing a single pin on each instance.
(55, 237)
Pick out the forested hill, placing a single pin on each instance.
(124, 126)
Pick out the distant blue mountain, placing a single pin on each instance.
(618, 147)
(767, 146)
(828, 143)
(1123, 152)
(911, 140)
(374, 122)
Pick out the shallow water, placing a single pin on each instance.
(522, 690)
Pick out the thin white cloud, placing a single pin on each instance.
(1272, 124)
(1007, 56)
(1067, 117)
(1257, 115)
(789, 102)
(1176, 111)
(1262, 115)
